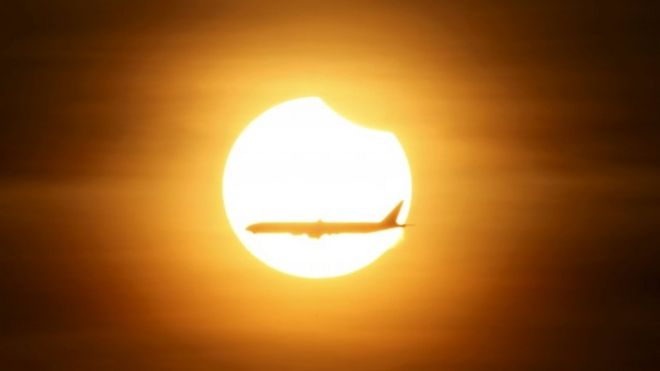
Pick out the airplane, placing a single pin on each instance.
(320, 228)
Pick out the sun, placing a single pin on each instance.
(301, 161)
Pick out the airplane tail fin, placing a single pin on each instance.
(390, 219)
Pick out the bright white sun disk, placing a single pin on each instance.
(301, 161)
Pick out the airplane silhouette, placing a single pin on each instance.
(318, 229)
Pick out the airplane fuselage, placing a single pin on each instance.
(318, 229)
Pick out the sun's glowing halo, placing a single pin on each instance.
(301, 161)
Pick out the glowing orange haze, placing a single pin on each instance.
(123, 117)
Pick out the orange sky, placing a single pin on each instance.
(533, 185)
